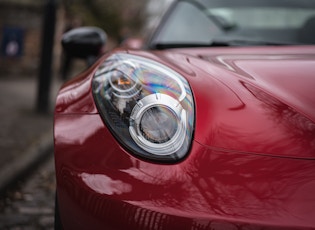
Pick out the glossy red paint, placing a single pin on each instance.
(251, 165)
(268, 110)
(210, 188)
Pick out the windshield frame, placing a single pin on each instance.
(153, 41)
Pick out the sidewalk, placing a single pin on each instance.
(26, 137)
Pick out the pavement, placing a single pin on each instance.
(26, 136)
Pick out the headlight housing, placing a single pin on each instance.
(146, 105)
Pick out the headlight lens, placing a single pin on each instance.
(147, 106)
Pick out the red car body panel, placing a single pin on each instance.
(252, 161)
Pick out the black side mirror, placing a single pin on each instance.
(84, 42)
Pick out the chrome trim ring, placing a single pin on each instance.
(160, 101)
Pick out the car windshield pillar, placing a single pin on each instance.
(188, 24)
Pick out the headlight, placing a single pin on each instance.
(147, 106)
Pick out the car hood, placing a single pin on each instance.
(287, 77)
(252, 100)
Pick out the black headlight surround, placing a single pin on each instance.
(119, 121)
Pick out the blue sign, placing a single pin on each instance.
(12, 42)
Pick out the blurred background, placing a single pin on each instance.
(21, 26)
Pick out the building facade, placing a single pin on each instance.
(20, 36)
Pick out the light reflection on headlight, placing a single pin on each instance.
(147, 106)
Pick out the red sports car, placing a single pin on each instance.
(211, 125)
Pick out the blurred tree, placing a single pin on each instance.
(119, 18)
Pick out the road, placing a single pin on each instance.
(30, 204)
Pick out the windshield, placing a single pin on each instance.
(242, 22)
